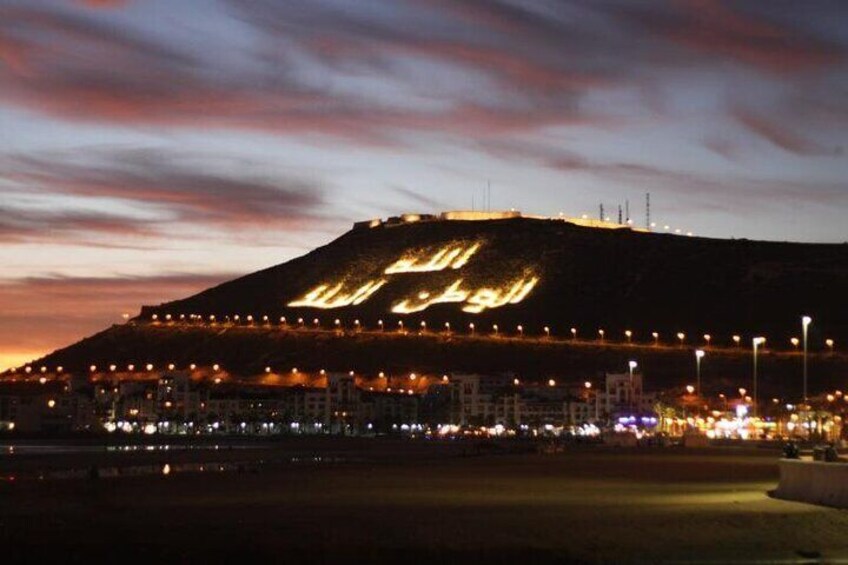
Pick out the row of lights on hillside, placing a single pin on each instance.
(472, 328)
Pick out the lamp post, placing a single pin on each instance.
(656, 337)
(805, 324)
(699, 354)
(681, 336)
(630, 366)
(757, 341)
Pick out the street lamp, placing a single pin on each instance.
(601, 334)
(681, 336)
(699, 354)
(805, 324)
(471, 328)
(794, 341)
(757, 341)
(628, 334)
(737, 339)
(707, 338)
(656, 337)
(573, 333)
(547, 331)
(495, 329)
(829, 344)
(447, 327)
(630, 366)
(380, 324)
(520, 329)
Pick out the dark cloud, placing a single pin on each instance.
(179, 188)
(542, 58)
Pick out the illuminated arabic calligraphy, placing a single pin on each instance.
(474, 301)
(454, 255)
(326, 296)
(450, 256)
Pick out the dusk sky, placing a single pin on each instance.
(149, 149)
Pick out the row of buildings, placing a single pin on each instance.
(177, 403)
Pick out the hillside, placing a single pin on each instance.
(519, 271)
(587, 278)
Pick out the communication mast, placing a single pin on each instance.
(647, 210)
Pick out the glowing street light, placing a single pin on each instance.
(495, 329)
(805, 324)
(699, 354)
(737, 339)
(656, 337)
(520, 329)
(547, 331)
(316, 322)
(829, 344)
(471, 327)
(400, 326)
(757, 341)
(380, 324)
(631, 365)
(690, 389)
(447, 327)
(423, 326)
(707, 338)
(601, 334)
(551, 382)
(628, 334)
(794, 341)
(681, 336)
(573, 333)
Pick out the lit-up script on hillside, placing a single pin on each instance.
(451, 256)
(474, 300)
(327, 296)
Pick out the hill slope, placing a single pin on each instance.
(528, 272)
(588, 278)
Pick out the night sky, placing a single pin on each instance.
(149, 149)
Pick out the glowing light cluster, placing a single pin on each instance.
(327, 296)
(475, 301)
(454, 255)
(451, 256)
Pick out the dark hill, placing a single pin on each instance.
(588, 278)
(585, 278)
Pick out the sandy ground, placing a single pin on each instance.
(417, 503)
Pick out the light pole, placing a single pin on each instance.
(699, 354)
(805, 324)
(757, 341)
(630, 366)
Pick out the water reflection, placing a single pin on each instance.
(165, 469)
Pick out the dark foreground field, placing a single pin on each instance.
(417, 502)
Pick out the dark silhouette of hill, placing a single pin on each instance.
(588, 278)
(584, 278)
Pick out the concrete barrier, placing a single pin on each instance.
(815, 482)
